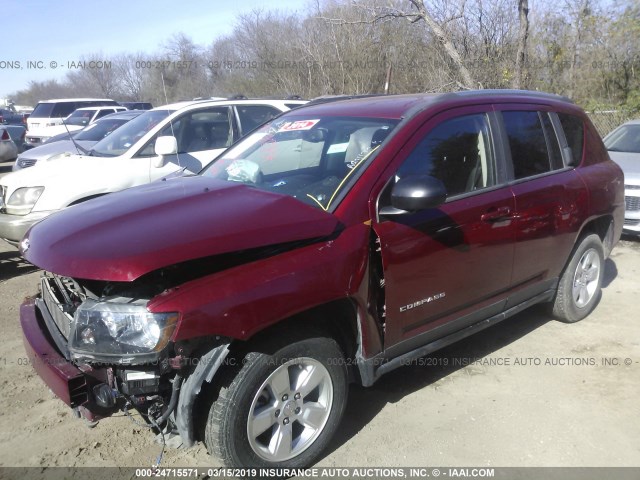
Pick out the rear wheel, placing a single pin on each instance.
(279, 409)
(580, 285)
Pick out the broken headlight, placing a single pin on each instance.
(124, 333)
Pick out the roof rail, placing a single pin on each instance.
(525, 93)
(336, 98)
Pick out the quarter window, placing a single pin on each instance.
(574, 132)
(104, 113)
(527, 142)
(457, 152)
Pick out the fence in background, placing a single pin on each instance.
(605, 121)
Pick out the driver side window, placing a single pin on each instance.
(196, 131)
(149, 148)
(457, 152)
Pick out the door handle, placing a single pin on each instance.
(495, 214)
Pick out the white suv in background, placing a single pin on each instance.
(79, 119)
(49, 113)
(186, 135)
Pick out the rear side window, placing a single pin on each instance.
(42, 110)
(457, 152)
(63, 109)
(252, 116)
(527, 142)
(574, 132)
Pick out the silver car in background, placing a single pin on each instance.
(623, 145)
(82, 141)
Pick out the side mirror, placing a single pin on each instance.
(415, 193)
(164, 147)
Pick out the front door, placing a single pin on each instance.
(450, 266)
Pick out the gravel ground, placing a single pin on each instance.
(527, 392)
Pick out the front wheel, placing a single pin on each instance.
(580, 285)
(279, 409)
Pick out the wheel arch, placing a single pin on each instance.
(337, 319)
(602, 226)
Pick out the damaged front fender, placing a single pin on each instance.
(206, 368)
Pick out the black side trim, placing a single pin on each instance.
(372, 369)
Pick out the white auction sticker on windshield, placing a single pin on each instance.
(298, 125)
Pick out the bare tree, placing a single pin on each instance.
(414, 12)
(583, 48)
(132, 76)
(95, 76)
(523, 37)
(579, 10)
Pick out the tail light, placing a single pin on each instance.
(5, 135)
(1, 119)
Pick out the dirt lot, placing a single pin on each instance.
(527, 392)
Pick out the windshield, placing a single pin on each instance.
(311, 159)
(124, 137)
(624, 139)
(97, 131)
(80, 117)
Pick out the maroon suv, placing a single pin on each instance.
(330, 246)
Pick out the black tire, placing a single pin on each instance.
(241, 393)
(584, 272)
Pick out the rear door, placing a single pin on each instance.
(448, 267)
(547, 198)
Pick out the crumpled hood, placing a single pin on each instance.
(630, 165)
(122, 236)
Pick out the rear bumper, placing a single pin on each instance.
(67, 381)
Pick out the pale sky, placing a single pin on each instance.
(46, 31)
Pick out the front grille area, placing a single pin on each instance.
(26, 162)
(55, 306)
(632, 187)
(631, 223)
(632, 204)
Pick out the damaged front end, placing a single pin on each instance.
(101, 351)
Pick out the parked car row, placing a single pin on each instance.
(8, 117)
(333, 244)
(12, 141)
(155, 143)
(53, 117)
(83, 140)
